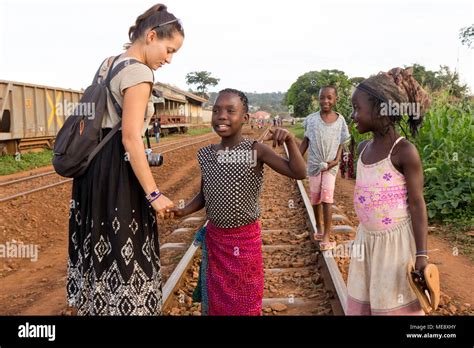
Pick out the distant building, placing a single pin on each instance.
(261, 115)
(285, 117)
(207, 114)
(173, 102)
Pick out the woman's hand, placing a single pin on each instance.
(163, 207)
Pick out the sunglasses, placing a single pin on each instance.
(169, 22)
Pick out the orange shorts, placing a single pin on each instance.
(321, 187)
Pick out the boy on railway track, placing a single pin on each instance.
(325, 133)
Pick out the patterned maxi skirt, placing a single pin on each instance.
(114, 264)
(231, 275)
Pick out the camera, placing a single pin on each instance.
(154, 159)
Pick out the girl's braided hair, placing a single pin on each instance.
(395, 87)
(241, 95)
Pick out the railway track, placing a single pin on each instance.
(156, 147)
(41, 219)
(24, 186)
(299, 279)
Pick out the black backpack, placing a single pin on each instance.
(80, 138)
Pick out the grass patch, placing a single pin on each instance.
(174, 136)
(12, 164)
(199, 131)
(297, 130)
(459, 236)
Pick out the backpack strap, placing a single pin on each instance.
(97, 74)
(104, 141)
(113, 71)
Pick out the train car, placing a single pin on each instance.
(176, 109)
(172, 124)
(31, 115)
(171, 119)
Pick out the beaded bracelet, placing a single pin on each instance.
(427, 257)
(154, 199)
(421, 252)
(153, 196)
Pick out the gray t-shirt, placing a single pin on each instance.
(130, 76)
(324, 140)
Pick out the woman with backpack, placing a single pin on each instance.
(114, 264)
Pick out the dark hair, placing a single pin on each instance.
(330, 87)
(241, 95)
(397, 86)
(154, 16)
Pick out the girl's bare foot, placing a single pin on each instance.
(318, 235)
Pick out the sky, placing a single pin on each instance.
(251, 45)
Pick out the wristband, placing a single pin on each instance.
(153, 196)
(153, 199)
(421, 252)
(427, 257)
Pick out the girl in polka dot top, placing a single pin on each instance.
(231, 277)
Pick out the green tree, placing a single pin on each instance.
(450, 82)
(356, 80)
(426, 78)
(269, 102)
(302, 97)
(202, 79)
(443, 79)
(466, 35)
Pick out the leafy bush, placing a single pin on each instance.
(446, 145)
(302, 96)
(298, 130)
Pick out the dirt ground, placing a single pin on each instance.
(456, 270)
(39, 287)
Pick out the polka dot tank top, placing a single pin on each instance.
(231, 186)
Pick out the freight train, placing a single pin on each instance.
(31, 115)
